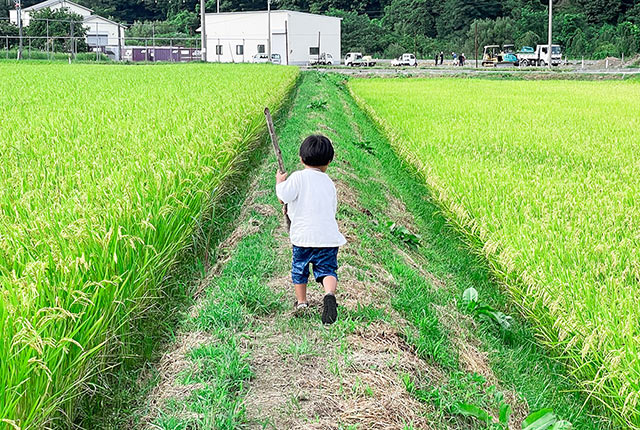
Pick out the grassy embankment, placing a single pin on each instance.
(404, 352)
(541, 179)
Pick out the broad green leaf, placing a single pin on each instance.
(562, 425)
(472, 411)
(504, 321)
(541, 420)
(469, 296)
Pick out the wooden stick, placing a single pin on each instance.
(276, 148)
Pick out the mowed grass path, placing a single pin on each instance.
(106, 174)
(543, 179)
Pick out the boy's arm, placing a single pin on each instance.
(280, 178)
(286, 189)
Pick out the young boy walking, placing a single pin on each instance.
(312, 203)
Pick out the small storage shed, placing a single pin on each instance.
(175, 54)
(295, 36)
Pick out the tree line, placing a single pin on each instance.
(388, 28)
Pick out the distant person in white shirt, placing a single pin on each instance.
(312, 203)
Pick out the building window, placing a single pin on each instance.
(218, 49)
(239, 49)
(260, 49)
(314, 50)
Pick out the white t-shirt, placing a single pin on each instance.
(312, 204)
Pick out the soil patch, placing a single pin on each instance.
(171, 365)
(473, 360)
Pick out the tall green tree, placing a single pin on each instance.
(64, 30)
(454, 16)
(601, 11)
(8, 29)
(411, 17)
(362, 34)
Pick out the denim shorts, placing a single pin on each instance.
(324, 261)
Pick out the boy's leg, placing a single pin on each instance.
(301, 293)
(300, 272)
(329, 304)
(325, 266)
(330, 284)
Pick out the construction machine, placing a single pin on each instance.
(496, 56)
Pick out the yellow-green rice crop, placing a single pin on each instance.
(544, 180)
(105, 173)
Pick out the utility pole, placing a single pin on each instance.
(153, 39)
(97, 42)
(203, 33)
(120, 53)
(550, 31)
(218, 6)
(269, 29)
(415, 46)
(72, 41)
(475, 43)
(19, 14)
(286, 41)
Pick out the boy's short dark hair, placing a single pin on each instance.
(316, 150)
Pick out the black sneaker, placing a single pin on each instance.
(330, 309)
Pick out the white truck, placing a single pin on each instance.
(324, 59)
(527, 56)
(405, 60)
(354, 59)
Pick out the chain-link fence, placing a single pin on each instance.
(98, 42)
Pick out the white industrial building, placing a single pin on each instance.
(102, 33)
(295, 36)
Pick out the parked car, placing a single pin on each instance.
(354, 59)
(322, 59)
(405, 60)
(260, 58)
(264, 58)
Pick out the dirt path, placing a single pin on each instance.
(311, 376)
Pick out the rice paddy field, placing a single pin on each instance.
(106, 173)
(542, 179)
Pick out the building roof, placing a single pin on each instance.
(102, 18)
(273, 11)
(50, 3)
(199, 29)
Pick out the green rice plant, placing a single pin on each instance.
(106, 174)
(541, 178)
